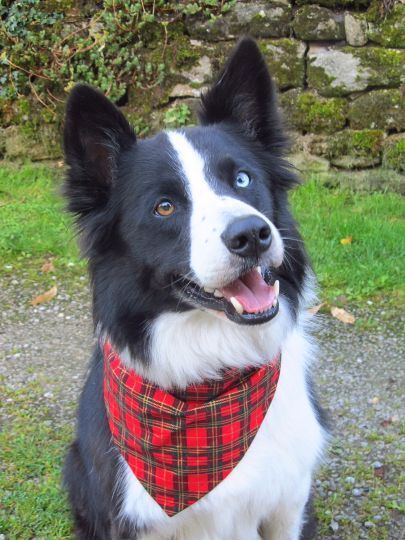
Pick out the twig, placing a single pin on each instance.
(38, 98)
(31, 73)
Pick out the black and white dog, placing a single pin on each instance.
(169, 225)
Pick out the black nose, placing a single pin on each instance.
(247, 237)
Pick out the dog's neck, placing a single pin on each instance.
(190, 347)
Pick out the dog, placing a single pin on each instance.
(199, 276)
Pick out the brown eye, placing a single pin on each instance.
(165, 208)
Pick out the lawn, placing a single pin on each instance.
(371, 263)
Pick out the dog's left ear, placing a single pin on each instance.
(244, 94)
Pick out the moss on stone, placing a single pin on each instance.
(336, 3)
(307, 111)
(351, 149)
(42, 144)
(314, 23)
(338, 71)
(285, 58)
(271, 18)
(394, 153)
(388, 31)
(379, 109)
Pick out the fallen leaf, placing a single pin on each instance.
(374, 400)
(315, 309)
(60, 164)
(48, 267)
(379, 472)
(347, 240)
(45, 297)
(343, 315)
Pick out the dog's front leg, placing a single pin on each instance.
(285, 525)
(287, 521)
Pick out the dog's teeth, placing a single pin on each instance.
(237, 305)
(218, 294)
(259, 269)
(277, 287)
(275, 302)
(208, 290)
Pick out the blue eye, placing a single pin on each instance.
(242, 180)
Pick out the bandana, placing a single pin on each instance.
(181, 445)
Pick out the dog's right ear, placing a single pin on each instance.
(95, 134)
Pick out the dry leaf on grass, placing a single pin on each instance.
(343, 315)
(347, 240)
(48, 267)
(45, 297)
(315, 309)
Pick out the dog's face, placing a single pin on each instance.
(191, 218)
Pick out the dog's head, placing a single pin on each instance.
(189, 219)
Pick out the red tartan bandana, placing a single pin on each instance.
(181, 445)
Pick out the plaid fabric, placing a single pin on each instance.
(181, 445)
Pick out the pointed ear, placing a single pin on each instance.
(95, 134)
(244, 94)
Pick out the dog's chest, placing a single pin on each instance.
(272, 474)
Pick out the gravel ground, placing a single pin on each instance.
(360, 376)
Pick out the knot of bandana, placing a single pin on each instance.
(181, 445)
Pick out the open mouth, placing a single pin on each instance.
(250, 299)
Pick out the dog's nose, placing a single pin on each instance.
(247, 237)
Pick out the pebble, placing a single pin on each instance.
(377, 465)
(350, 479)
(357, 492)
(368, 524)
(334, 525)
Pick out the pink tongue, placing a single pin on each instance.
(252, 292)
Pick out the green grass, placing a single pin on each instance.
(31, 452)
(374, 262)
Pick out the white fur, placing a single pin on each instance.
(213, 265)
(271, 483)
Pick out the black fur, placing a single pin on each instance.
(112, 186)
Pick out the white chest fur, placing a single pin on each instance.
(269, 486)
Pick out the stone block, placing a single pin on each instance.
(337, 3)
(40, 145)
(200, 73)
(285, 58)
(351, 149)
(309, 112)
(389, 31)
(355, 29)
(258, 19)
(338, 71)
(378, 109)
(306, 163)
(394, 153)
(370, 180)
(316, 23)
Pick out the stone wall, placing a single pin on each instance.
(339, 66)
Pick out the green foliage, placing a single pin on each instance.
(49, 46)
(177, 116)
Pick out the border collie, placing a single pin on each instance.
(197, 270)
